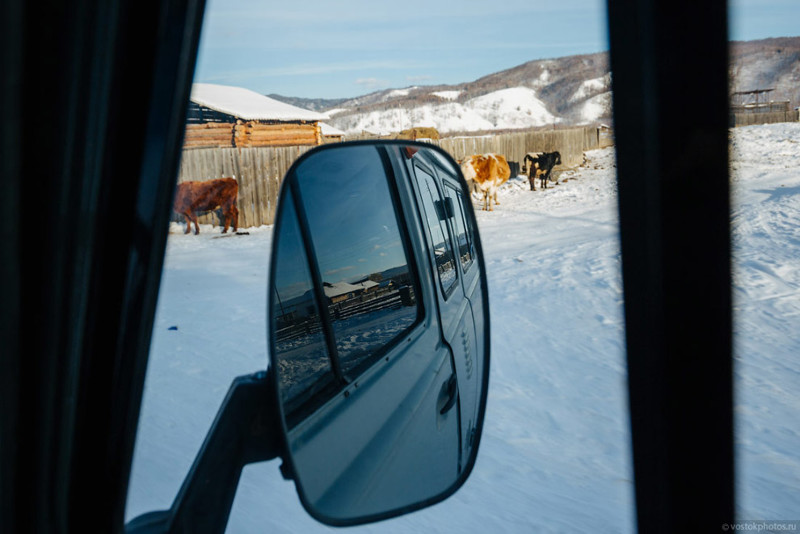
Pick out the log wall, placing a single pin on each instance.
(212, 134)
(254, 134)
(251, 134)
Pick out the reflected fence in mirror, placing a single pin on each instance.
(367, 386)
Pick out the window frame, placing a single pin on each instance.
(446, 293)
(460, 210)
(109, 367)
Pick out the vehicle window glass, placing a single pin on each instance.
(552, 256)
(435, 216)
(362, 256)
(466, 251)
(765, 258)
(305, 371)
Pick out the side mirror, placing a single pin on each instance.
(379, 330)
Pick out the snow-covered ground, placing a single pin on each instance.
(447, 95)
(766, 248)
(555, 456)
(595, 108)
(592, 87)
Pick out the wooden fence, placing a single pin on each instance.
(569, 143)
(260, 170)
(750, 118)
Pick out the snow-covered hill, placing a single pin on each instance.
(570, 90)
(516, 107)
(767, 64)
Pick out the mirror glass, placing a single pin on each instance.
(355, 236)
(368, 385)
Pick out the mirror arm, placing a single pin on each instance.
(245, 430)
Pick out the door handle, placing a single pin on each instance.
(448, 395)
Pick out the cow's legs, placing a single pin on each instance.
(188, 223)
(230, 215)
(196, 226)
(226, 218)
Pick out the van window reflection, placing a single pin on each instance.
(363, 260)
(463, 239)
(436, 214)
(304, 369)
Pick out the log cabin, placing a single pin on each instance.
(331, 134)
(226, 116)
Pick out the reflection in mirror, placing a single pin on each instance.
(304, 369)
(437, 212)
(362, 261)
(466, 252)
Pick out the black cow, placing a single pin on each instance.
(540, 166)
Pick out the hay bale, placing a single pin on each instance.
(420, 132)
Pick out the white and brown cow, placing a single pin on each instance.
(486, 172)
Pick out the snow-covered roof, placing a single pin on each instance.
(248, 105)
(367, 284)
(343, 288)
(340, 288)
(327, 129)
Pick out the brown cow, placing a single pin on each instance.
(487, 173)
(191, 197)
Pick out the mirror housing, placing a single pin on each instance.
(378, 329)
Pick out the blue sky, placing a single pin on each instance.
(347, 48)
(351, 240)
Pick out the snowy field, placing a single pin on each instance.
(555, 456)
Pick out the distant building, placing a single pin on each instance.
(756, 107)
(342, 291)
(757, 101)
(331, 134)
(225, 116)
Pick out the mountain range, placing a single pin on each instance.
(555, 92)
